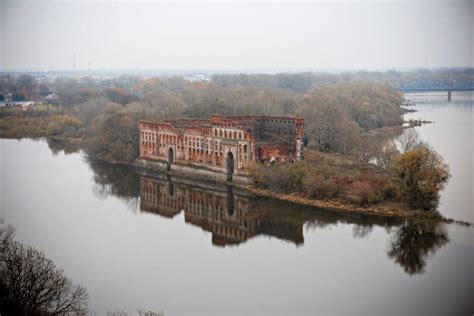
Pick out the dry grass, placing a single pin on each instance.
(19, 126)
(337, 164)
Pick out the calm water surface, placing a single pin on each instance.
(451, 135)
(147, 241)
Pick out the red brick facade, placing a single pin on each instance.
(224, 144)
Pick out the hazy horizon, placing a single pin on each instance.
(235, 37)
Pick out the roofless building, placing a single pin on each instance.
(225, 144)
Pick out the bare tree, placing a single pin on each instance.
(330, 128)
(386, 155)
(408, 140)
(6, 236)
(30, 283)
(369, 150)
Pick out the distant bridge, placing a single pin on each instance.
(432, 86)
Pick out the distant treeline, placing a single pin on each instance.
(303, 81)
(23, 85)
(338, 108)
(105, 112)
(102, 116)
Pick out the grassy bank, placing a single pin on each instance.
(339, 194)
(407, 186)
(27, 125)
(386, 209)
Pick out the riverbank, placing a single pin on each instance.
(389, 210)
(385, 209)
(341, 166)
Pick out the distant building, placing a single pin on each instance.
(43, 92)
(52, 98)
(223, 144)
(198, 78)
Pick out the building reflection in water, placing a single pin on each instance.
(231, 215)
(234, 216)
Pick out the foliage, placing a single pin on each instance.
(114, 136)
(418, 175)
(369, 104)
(304, 81)
(284, 178)
(318, 186)
(337, 108)
(325, 180)
(65, 125)
(18, 126)
(330, 128)
(120, 95)
(369, 189)
(414, 178)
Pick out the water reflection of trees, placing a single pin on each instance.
(412, 244)
(233, 217)
(57, 146)
(115, 180)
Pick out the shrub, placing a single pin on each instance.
(418, 175)
(281, 178)
(318, 186)
(114, 137)
(369, 189)
(63, 125)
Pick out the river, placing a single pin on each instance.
(136, 240)
(451, 135)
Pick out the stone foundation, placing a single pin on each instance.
(200, 173)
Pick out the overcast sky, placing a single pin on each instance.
(223, 35)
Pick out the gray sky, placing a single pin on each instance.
(45, 35)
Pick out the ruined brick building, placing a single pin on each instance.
(223, 144)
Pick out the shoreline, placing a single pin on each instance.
(382, 210)
(339, 206)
